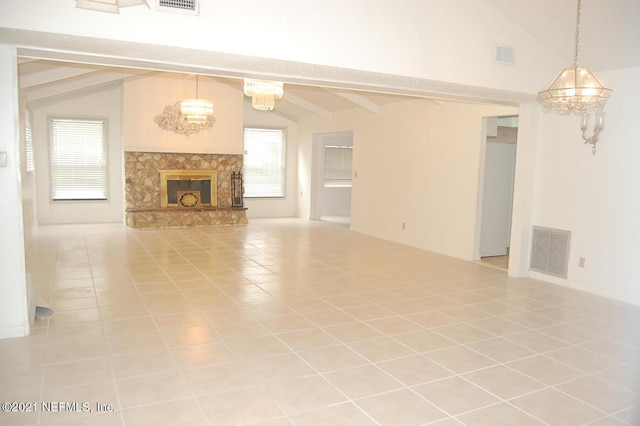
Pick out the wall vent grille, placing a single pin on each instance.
(180, 6)
(550, 251)
(504, 54)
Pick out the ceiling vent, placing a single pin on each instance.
(178, 6)
(550, 251)
(503, 54)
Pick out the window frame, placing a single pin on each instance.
(105, 159)
(283, 133)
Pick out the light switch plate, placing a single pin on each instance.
(3, 159)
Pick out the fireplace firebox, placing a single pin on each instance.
(188, 188)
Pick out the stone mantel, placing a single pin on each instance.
(142, 190)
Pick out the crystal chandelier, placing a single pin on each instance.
(263, 93)
(196, 110)
(578, 90)
(111, 6)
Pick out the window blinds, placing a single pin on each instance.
(78, 155)
(264, 162)
(337, 165)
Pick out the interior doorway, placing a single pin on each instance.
(497, 182)
(332, 177)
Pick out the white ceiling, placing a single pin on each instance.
(608, 28)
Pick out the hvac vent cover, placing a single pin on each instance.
(180, 6)
(550, 251)
(504, 54)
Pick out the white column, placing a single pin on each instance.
(14, 318)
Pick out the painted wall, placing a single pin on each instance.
(104, 104)
(417, 163)
(14, 319)
(276, 207)
(424, 38)
(145, 98)
(596, 198)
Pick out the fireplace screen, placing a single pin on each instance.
(198, 185)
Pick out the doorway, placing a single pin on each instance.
(332, 177)
(497, 181)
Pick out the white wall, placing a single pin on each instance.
(276, 207)
(14, 319)
(104, 104)
(596, 198)
(145, 98)
(417, 162)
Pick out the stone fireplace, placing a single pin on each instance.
(180, 189)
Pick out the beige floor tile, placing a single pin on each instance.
(381, 349)
(318, 392)
(425, 341)
(201, 355)
(308, 339)
(82, 400)
(181, 412)
(454, 395)
(460, 359)
(142, 363)
(152, 389)
(500, 349)
(401, 407)
(76, 373)
(278, 368)
(239, 407)
(339, 415)
(362, 381)
(503, 381)
(600, 394)
(502, 414)
(556, 408)
(353, 332)
(545, 370)
(332, 358)
(219, 378)
(414, 370)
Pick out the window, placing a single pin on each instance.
(264, 164)
(78, 159)
(28, 142)
(337, 165)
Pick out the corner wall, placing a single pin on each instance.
(14, 318)
(597, 198)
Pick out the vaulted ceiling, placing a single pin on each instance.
(608, 40)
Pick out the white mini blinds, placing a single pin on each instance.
(264, 162)
(78, 156)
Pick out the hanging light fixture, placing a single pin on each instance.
(577, 90)
(111, 6)
(196, 111)
(263, 93)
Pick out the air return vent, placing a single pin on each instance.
(550, 251)
(179, 6)
(504, 54)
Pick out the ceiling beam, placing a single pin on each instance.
(360, 101)
(309, 106)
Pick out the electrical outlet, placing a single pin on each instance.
(3, 159)
(581, 262)
(404, 226)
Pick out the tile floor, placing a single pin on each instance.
(290, 322)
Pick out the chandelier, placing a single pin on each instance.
(577, 90)
(196, 111)
(263, 93)
(188, 116)
(111, 6)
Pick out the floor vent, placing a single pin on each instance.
(180, 6)
(550, 251)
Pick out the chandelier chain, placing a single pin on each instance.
(575, 57)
